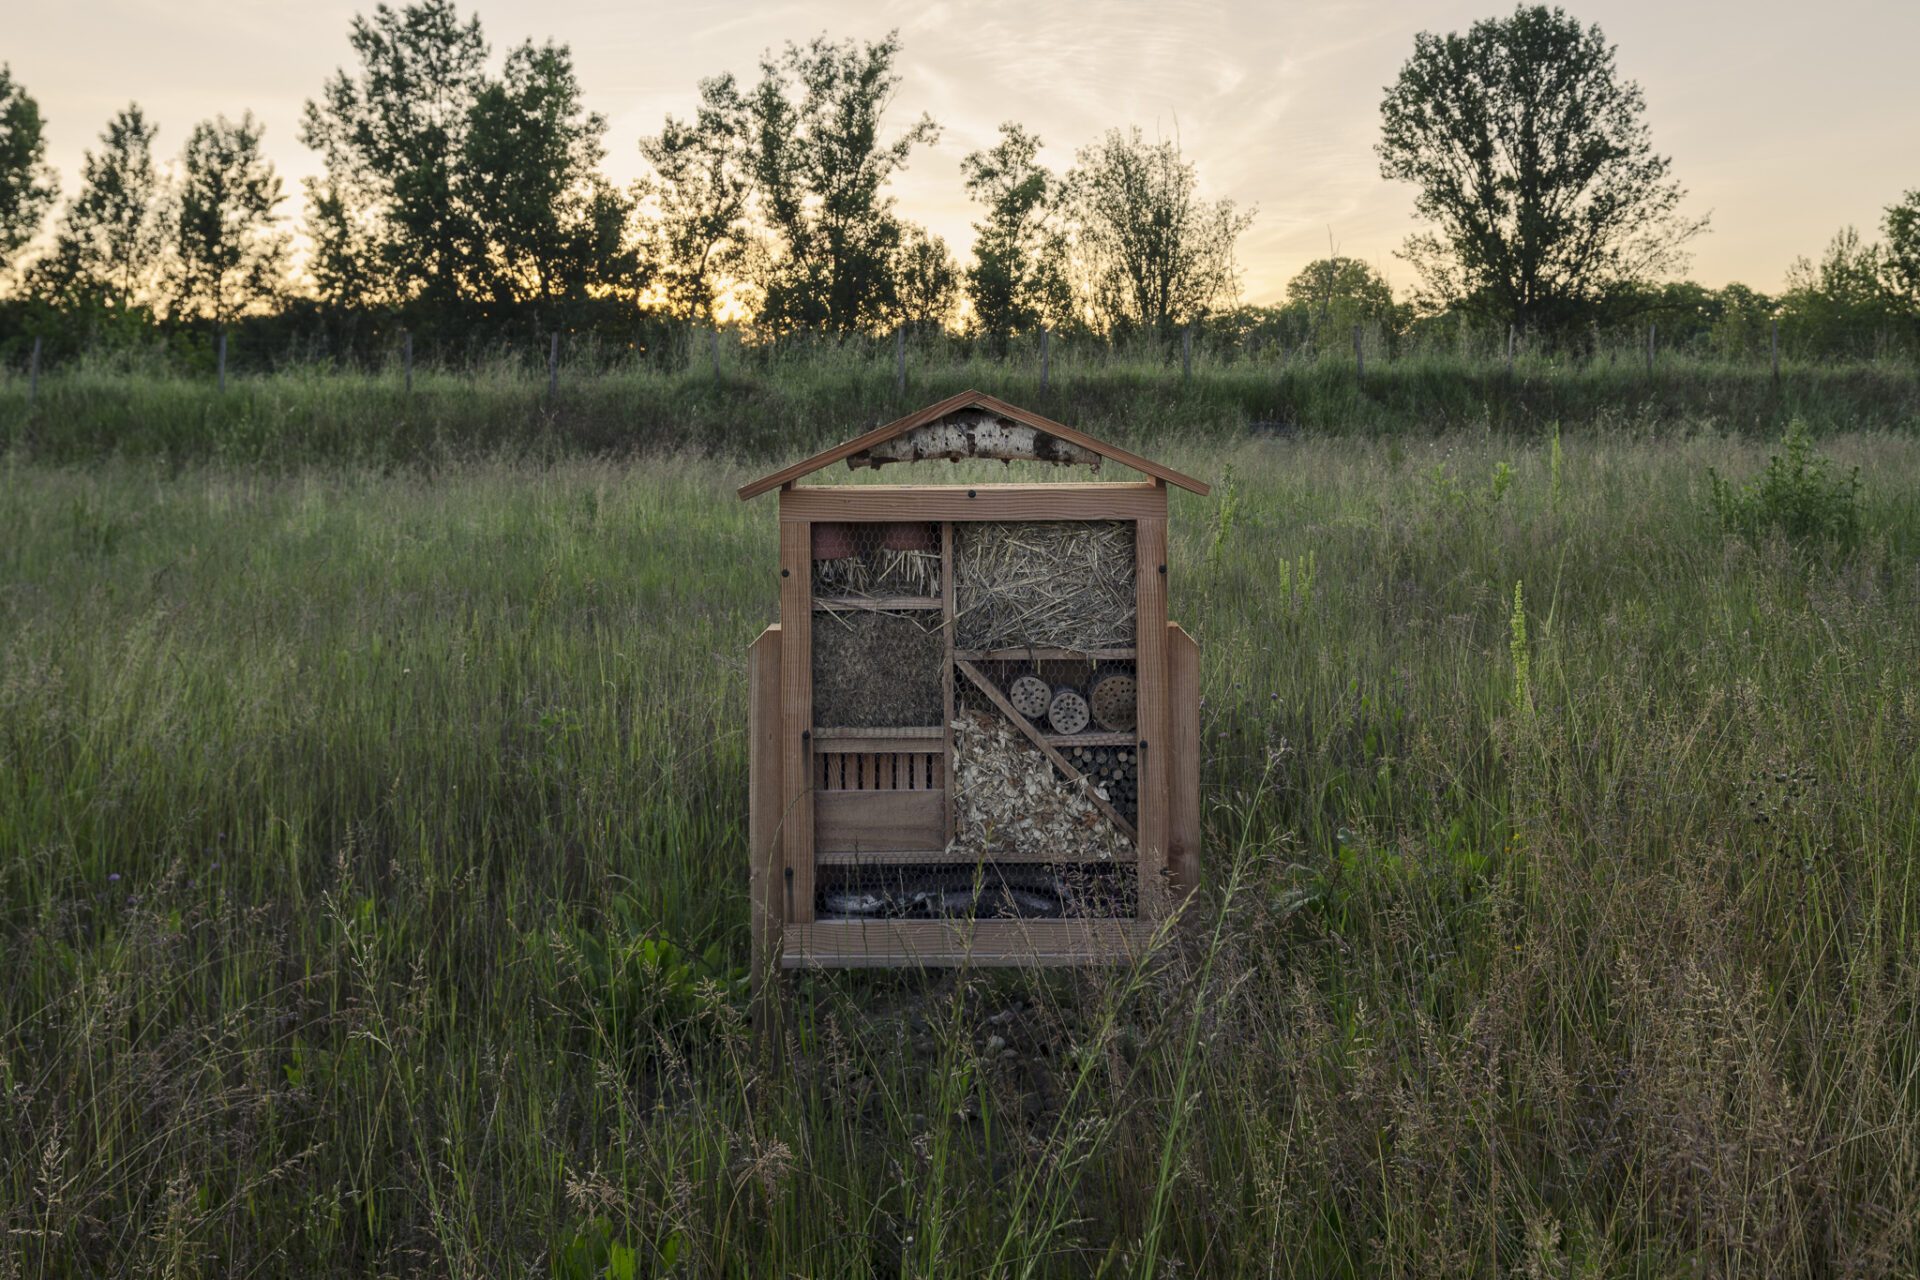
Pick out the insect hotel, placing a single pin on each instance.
(975, 734)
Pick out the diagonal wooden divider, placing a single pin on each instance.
(1025, 726)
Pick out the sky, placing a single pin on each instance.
(1785, 120)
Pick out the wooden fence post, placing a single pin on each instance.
(553, 364)
(900, 360)
(33, 373)
(1045, 355)
(223, 359)
(406, 356)
(1186, 353)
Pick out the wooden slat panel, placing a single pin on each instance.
(849, 821)
(1042, 655)
(884, 740)
(920, 502)
(796, 712)
(1034, 736)
(920, 857)
(914, 943)
(876, 604)
(946, 671)
(859, 736)
(1183, 722)
(1150, 674)
(763, 805)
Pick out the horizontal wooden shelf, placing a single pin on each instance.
(932, 731)
(1090, 739)
(1045, 655)
(876, 604)
(962, 943)
(926, 857)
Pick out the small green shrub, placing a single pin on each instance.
(1797, 496)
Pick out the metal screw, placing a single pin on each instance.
(1163, 570)
(785, 573)
(971, 493)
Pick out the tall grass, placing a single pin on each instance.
(343, 811)
(753, 403)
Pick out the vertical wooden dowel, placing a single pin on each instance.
(553, 365)
(406, 356)
(1509, 351)
(1186, 353)
(1776, 348)
(33, 373)
(900, 360)
(223, 360)
(1046, 355)
(1653, 331)
(713, 350)
(1359, 355)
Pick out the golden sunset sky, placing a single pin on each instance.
(1784, 119)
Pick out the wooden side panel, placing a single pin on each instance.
(877, 821)
(920, 502)
(796, 714)
(946, 675)
(1183, 715)
(1150, 549)
(763, 802)
(956, 943)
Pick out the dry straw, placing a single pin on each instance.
(1066, 585)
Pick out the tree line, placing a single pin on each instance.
(460, 199)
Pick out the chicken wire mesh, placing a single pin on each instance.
(866, 561)
(1010, 799)
(1066, 584)
(874, 669)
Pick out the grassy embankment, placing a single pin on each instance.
(754, 405)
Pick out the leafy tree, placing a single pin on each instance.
(227, 255)
(820, 172)
(1902, 263)
(1532, 156)
(699, 195)
(926, 279)
(1018, 280)
(1337, 293)
(548, 225)
(1151, 251)
(109, 238)
(392, 138)
(1840, 305)
(27, 185)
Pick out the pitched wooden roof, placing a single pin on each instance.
(955, 404)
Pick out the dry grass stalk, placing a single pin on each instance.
(1051, 584)
(879, 572)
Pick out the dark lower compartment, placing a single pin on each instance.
(1045, 891)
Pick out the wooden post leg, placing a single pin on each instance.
(763, 830)
(1183, 715)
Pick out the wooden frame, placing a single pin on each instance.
(807, 811)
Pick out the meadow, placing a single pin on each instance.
(373, 882)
